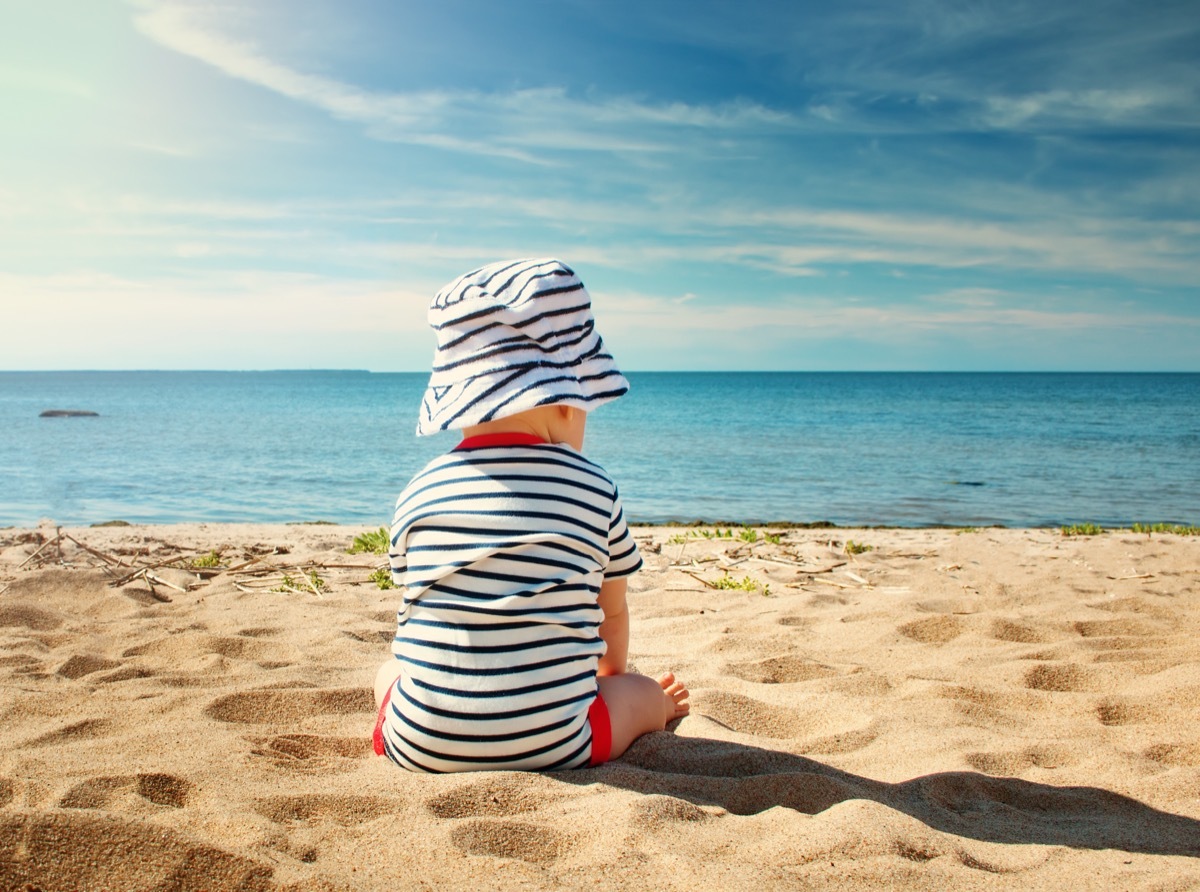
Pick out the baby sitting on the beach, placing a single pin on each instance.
(513, 634)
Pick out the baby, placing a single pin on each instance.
(513, 634)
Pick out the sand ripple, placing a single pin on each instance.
(981, 710)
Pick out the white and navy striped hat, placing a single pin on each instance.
(513, 336)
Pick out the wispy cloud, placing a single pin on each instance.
(1089, 108)
(516, 124)
(808, 317)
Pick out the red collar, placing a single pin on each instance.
(502, 439)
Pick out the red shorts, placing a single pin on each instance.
(601, 731)
(598, 718)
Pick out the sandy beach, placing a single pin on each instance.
(981, 709)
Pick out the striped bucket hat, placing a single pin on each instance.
(513, 336)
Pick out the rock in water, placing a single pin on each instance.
(69, 413)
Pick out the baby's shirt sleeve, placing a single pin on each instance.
(623, 556)
(398, 562)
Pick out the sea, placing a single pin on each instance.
(871, 449)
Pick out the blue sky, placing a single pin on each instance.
(792, 185)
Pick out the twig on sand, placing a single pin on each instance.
(41, 548)
(129, 577)
(107, 558)
(832, 582)
(150, 576)
(155, 594)
(316, 591)
(700, 579)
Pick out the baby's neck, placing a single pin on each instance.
(549, 423)
(524, 423)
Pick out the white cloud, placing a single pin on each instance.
(1087, 107)
(804, 318)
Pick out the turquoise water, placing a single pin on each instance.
(906, 449)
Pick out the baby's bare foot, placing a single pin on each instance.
(675, 697)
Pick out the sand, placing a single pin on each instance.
(987, 709)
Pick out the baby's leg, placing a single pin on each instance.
(385, 678)
(638, 704)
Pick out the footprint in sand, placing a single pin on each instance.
(287, 707)
(510, 839)
(1018, 632)
(862, 684)
(500, 796)
(933, 629)
(1111, 628)
(749, 716)
(102, 792)
(1013, 763)
(796, 622)
(839, 744)
(74, 850)
(1186, 755)
(988, 708)
(313, 752)
(481, 810)
(826, 600)
(658, 812)
(8, 791)
(346, 810)
(1063, 677)
(87, 729)
(1138, 606)
(1122, 712)
(187, 645)
(784, 669)
(259, 632)
(27, 616)
(373, 637)
(24, 665)
(85, 664)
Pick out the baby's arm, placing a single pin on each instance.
(636, 703)
(614, 630)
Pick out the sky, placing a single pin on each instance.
(862, 185)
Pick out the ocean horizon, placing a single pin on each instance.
(847, 448)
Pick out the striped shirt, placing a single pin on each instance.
(501, 547)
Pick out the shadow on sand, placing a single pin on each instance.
(747, 780)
